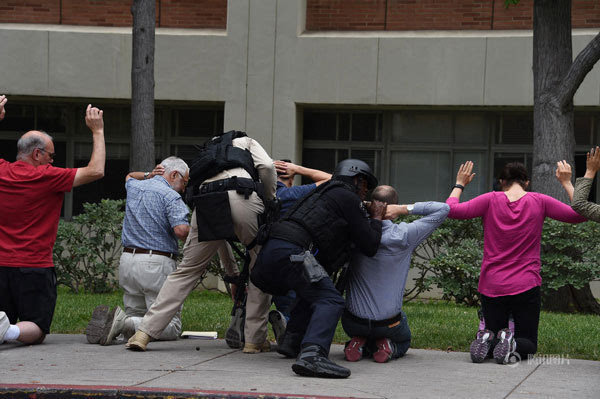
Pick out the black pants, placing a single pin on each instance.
(525, 308)
(318, 306)
(28, 294)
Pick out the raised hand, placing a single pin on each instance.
(377, 209)
(285, 169)
(3, 101)
(465, 175)
(158, 170)
(563, 171)
(592, 163)
(93, 119)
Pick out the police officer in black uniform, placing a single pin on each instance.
(311, 242)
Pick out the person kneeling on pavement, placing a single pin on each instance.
(155, 218)
(375, 285)
(309, 243)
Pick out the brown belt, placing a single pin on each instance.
(149, 251)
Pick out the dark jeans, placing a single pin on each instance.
(525, 308)
(398, 333)
(284, 303)
(319, 305)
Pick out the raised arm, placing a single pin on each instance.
(464, 176)
(469, 209)
(394, 211)
(264, 165)
(95, 168)
(583, 185)
(157, 171)
(289, 170)
(434, 214)
(563, 175)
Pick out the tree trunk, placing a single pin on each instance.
(142, 157)
(553, 131)
(570, 299)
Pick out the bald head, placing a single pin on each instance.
(385, 194)
(30, 141)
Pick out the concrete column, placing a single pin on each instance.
(236, 65)
(260, 75)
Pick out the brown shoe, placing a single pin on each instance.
(138, 342)
(95, 328)
(257, 348)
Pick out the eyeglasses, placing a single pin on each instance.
(185, 182)
(50, 154)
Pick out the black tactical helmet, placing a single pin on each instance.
(355, 167)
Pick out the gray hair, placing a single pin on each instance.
(29, 142)
(175, 164)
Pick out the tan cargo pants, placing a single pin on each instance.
(196, 256)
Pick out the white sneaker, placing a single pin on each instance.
(114, 325)
(4, 325)
(505, 347)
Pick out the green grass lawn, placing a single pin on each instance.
(435, 325)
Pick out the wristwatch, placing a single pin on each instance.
(146, 174)
(409, 208)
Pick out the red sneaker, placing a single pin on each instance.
(384, 350)
(354, 350)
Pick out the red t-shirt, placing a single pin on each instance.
(30, 202)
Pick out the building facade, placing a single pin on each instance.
(412, 87)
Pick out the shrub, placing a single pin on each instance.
(451, 258)
(570, 254)
(87, 250)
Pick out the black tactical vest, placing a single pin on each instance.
(314, 219)
(219, 154)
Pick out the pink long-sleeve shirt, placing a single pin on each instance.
(512, 234)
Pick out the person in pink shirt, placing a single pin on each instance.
(510, 279)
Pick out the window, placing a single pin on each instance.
(331, 137)
(177, 129)
(197, 122)
(419, 151)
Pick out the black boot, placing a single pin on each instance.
(313, 362)
(290, 344)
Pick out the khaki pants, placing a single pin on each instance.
(141, 276)
(196, 256)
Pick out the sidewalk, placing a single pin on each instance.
(67, 365)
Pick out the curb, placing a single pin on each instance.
(56, 391)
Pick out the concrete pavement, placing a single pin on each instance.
(67, 366)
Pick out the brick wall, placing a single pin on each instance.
(193, 14)
(96, 12)
(586, 13)
(434, 14)
(346, 15)
(320, 14)
(31, 12)
(438, 14)
(514, 17)
(169, 13)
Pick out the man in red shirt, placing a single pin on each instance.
(31, 197)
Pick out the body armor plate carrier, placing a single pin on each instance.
(312, 221)
(219, 154)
